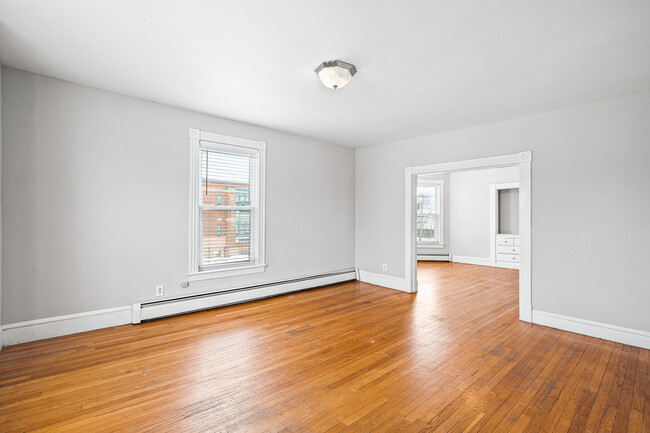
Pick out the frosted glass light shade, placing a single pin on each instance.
(335, 73)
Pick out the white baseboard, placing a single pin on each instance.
(32, 330)
(470, 260)
(481, 262)
(23, 332)
(433, 258)
(171, 307)
(605, 331)
(506, 265)
(384, 281)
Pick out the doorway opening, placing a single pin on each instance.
(475, 212)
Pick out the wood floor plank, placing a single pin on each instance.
(638, 398)
(350, 357)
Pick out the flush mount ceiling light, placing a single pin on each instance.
(335, 73)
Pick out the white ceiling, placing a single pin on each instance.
(424, 65)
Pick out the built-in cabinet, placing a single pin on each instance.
(504, 225)
(507, 253)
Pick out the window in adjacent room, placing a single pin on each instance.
(227, 205)
(429, 201)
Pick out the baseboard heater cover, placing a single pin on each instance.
(204, 301)
(434, 257)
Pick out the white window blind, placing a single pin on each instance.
(227, 204)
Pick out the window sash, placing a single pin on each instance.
(424, 211)
(246, 194)
(229, 232)
(436, 229)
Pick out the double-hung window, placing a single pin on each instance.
(226, 205)
(430, 224)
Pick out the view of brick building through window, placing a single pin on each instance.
(225, 233)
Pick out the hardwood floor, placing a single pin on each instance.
(349, 357)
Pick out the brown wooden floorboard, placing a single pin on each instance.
(350, 357)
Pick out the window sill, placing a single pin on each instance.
(228, 272)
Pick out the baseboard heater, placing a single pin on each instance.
(434, 257)
(204, 301)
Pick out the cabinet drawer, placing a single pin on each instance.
(517, 241)
(505, 241)
(512, 258)
(507, 249)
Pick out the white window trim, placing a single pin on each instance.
(441, 217)
(196, 136)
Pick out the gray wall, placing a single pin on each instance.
(422, 248)
(95, 191)
(591, 177)
(509, 211)
(469, 216)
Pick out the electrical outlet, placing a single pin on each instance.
(384, 267)
(185, 284)
(160, 290)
